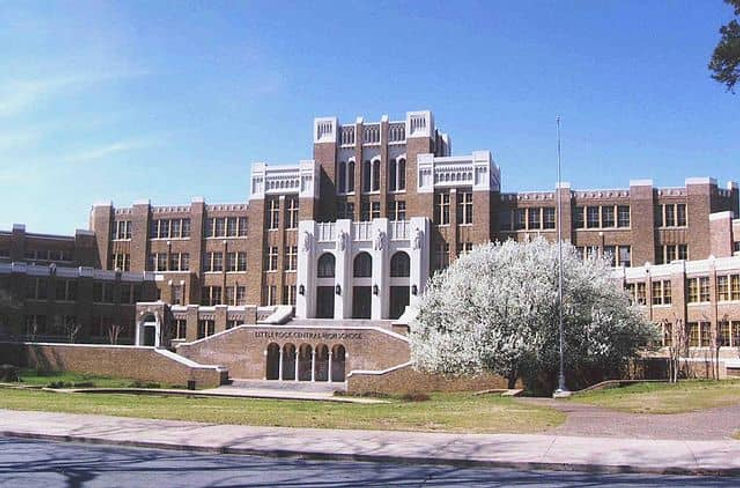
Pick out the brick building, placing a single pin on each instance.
(354, 233)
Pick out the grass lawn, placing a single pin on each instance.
(686, 396)
(458, 412)
(32, 377)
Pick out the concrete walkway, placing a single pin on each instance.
(500, 450)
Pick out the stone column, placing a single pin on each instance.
(280, 363)
(295, 363)
(381, 275)
(313, 365)
(330, 360)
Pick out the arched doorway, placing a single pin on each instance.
(338, 360)
(400, 296)
(147, 331)
(305, 362)
(272, 371)
(289, 361)
(321, 363)
(362, 295)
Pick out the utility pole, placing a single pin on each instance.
(562, 390)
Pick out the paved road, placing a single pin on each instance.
(26, 463)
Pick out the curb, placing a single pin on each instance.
(379, 458)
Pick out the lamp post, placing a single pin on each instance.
(562, 390)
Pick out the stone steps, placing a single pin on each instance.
(305, 386)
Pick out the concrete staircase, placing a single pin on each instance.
(302, 386)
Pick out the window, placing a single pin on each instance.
(465, 207)
(341, 177)
(592, 217)
(102, 292)
(623, 216)
(213, 261)
(442, 255)
(66, 290)
(549, 217)
(178, 294)
(397, 175)
(365, 211)
(345, 210)
(350, 176)
(273, 213)
(210, 296)
(670, 215)
(693, 334)
(231, 224)
(161, 261)
(242, 223)
(705, 333)
(206, 328)
(271, 260)
(122, 229)
(400, 265)
(375, 213)
(181, 328)
(376, 175)
(723, 288)
(185, 229)
(241, 295)
(636, 293)
(607, 216)
(661, 292)
(130, 293)
(291, 221)
(735, 287)
(698, 289)
(222, 227)
(289, 295)
(442, 208)
(464, 248)
(291, 258)
(269, 294)
(520, 219)
(169, 228)
(326, 266)
(578, 221)
(121, 261)
(371, 176)
(667, 334)
(671, 252)
(723, 335)
(397, 210)
(229, 295)
(236, 261)
(534, 218)
(363, 265)
(505, 218)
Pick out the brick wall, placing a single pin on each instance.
(407, 379)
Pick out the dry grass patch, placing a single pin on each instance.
(660, 398)
(442, 413)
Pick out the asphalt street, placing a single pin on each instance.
(33, 463)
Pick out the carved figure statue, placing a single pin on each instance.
(418, 240)
(379, 240)
(307, 241)
(341, 240)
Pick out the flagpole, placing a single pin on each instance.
(562, 390)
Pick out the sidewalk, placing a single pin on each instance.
(499, 450)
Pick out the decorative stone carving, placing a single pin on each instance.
(341, 240)
(307, 242)
(379, 244)
(417, 242)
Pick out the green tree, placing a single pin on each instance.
(725, 62)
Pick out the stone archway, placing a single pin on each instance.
(148, 328)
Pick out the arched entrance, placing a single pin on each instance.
(338, 360)
(289, 362)
(305, 362)
(147, 331)
(321, 363)
(326, 268)
(400, 296)
(272, 371)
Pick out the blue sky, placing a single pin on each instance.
(169, 100)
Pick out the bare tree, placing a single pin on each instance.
(679, 347)
(72, 328)
(114, 330)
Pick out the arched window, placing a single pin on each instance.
(350, 177)
(376, 175)
(342, 177)
(392, 175)
(366, 176)
(326, 266)
(363, 267)
(400, 265)
(401, 178)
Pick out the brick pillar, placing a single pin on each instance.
(642, 205)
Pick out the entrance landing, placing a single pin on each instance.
(289, 386)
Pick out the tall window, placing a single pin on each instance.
(292, 217)
(363, 265)
(375, 210)
(397, 210)
(442, 208)
(549, 217)
(236, 261)
(442, 255)
(698, 289)
(271, 260)
(661, 292)
(400, 265)
(291, 258)
(289, 295)
(397, 174)
(122, 261)
(619, 255)
(326, 266)
(341, 177)
(670, 215)
(273, 213)
(465, 207)
(211, 295)
(178, 294)
(206, 327)
(366, 176)
(122, 229)
(213, 261)
(376, 175)
(350, 176)
(269, 295)
(345, 210)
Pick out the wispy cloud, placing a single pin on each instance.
(17, 139)
(19, 95)
(104, 151)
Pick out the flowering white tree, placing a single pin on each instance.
(496, 309)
